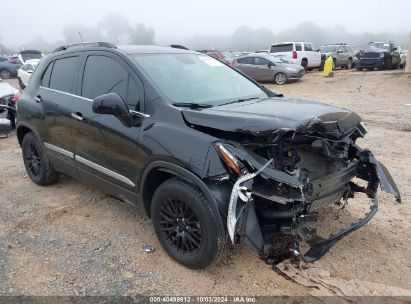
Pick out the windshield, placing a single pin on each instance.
(196, 78)
(380, 45)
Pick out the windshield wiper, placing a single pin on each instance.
(192, 105)
(240, 100)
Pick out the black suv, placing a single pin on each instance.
(209, 152)
(381, 55)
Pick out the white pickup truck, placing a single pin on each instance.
(298, 52)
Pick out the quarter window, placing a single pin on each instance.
(63, 73)
(298, 47)
(104, 75)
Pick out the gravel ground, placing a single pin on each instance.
(70, 239)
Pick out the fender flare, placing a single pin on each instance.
(187, 176)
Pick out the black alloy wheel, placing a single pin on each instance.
(181, 226)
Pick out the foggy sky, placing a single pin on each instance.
(178, 19)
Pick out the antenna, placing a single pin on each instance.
(81, 37)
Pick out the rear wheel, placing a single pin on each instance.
(4, 74)
(35, 160)
(185, 224)
(280, 78)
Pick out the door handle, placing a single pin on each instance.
(77, 116)
(38, 99)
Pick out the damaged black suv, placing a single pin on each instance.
(209, 152)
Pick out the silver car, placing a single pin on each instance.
(265, 67)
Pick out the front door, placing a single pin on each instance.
(104, 147)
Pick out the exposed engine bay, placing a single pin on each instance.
(281, 180)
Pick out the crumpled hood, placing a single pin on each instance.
(272, 114)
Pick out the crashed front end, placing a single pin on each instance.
(281, 180)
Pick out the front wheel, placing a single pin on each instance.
(280, 78)
(185, 224)
(35, 160)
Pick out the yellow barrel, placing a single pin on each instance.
(328, 66)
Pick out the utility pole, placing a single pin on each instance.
(408, 65)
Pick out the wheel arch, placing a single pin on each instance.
(22, 130)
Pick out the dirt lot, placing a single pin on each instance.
(70, 239)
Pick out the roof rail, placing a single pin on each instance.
(86, 44)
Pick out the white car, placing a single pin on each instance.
(302, 53)
(24, 73)
(8, 97)
(27, 55)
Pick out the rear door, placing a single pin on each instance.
(104, 147)
(314, 58)
(261, 69)
(245, 65)
(56, 94)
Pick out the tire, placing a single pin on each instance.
(185, 224)
(21, 84)
(349, 64)
(4, 74)
(359, 69)
(304, 64)
(35, 160)
(280, 78)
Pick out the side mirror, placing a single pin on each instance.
(269, 65)
(113, 104)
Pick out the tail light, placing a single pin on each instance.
(233, 63)
(294, 55)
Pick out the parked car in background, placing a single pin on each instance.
(24, 73)
(403, 58)
(380, 55)
(10, 67)
(29, 55)
(302, 53)
(342, 54)
(265, 67)
(2, 58)
(8, 98)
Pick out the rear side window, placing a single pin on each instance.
(298, 47)
(45, 80)
(288, 47)
(245, 60)
(63, 73)
(104, 75)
